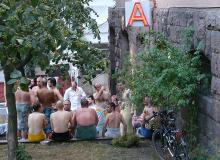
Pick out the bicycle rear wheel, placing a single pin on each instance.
(160, 145)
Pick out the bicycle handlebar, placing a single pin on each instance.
(155, 114)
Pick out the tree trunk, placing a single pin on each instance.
(12, 116)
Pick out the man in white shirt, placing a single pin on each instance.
(74, 94)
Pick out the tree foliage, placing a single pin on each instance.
(42, 30)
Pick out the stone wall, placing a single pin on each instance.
(206, 24)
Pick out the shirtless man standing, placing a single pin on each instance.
(38, 86)
(101, 96)
(112, 123)
(23, 106)
(85, 121)
(36, 123)
(33, 91)
(52, 85)
(46, 97)
(60, 122)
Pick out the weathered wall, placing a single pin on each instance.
(122, 41)
(187, 3)
(206, 24)
(172, 21)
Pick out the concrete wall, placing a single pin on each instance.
(187, 3)
(178, 3)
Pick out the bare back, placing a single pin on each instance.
(46, 97)
(114, 119)
(22, 97)
(60, 121)
(86, 117)
(36, 122)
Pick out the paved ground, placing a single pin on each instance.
(84, 150)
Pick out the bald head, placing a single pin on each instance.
(59, 105)
(44, 82)
(97, 86)
(39, 82)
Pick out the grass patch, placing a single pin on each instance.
(89, 150)
(126, 141)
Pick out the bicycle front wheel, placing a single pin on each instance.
(160, 144)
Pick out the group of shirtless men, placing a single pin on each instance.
(43, 112)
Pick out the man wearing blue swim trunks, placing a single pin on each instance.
(46, 97)
(23, 103)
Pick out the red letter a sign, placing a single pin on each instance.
(140, 17)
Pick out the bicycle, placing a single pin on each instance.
(168, 140)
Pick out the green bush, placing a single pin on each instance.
(126, 141)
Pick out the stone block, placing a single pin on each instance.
(206, 126)
(177, 17)
(208, 51)
(175, 33)
(215, 85)
(215, 64)
(217, 26)
(210, 21)
(215, 41)
(210, 107)
(206, 104)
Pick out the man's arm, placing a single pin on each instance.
(33, 97)
(98, 94)
(57, 93)
(66, 96)
(44, 121)
(107, 96)
(83, 94)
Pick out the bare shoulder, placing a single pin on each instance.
(119, 114)
(68, 113)
(41, 114)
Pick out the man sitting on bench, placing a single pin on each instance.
(85, 121)
(60, 121)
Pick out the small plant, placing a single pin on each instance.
(126, 141)
(22, 154)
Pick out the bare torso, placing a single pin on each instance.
(36, 122)
(60, 121)
(114, 119)
(35, 89)
(46, 97)
(22, 97)
(101, 100)
(86, 117)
